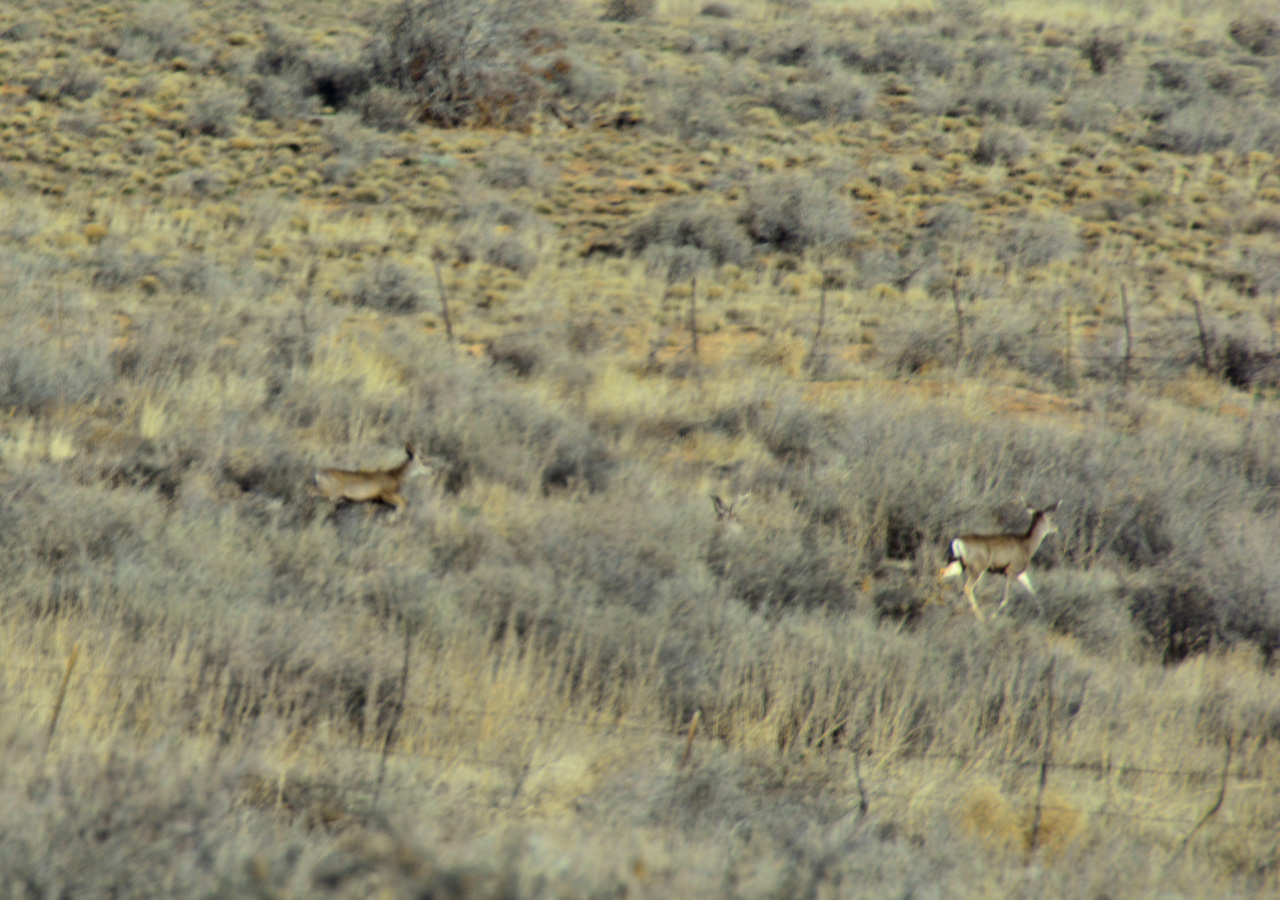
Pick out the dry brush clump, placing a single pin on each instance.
(288, 81)
(688, 223)
(464, 62)
(1257, 32)
(155, 31)
(799, 213)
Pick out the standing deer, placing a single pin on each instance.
(977, 554)
(382, 486)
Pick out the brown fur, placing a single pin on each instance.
(977, 554)
(360, 486)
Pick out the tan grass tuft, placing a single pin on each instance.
(1060, 824)
(986, 815)
(786, 354)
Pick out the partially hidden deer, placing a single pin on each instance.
(371, 486)
(727, 513)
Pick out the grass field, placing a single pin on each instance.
(892, 270)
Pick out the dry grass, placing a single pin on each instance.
(225, 243)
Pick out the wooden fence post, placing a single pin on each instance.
(62, 693)
(1046, 760)
(955, 302)
(693, 313)
(395, 717)
(1204, 334)
(688, 742)
(1213, 810)
(1128, 336)
(436, 256)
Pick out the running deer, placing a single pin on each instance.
(977, 554)
(727, 513)
(381, 486)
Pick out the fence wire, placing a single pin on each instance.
(518, 769)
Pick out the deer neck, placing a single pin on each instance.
(1037, 533)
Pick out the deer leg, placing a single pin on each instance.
(1005, 598)
(970, 584)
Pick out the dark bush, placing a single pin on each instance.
(833, 98)
(336, 83)
(1038, 241)
(112, 267)
(1086, 605)
(75, 82)
(907, 51)
(269, 470)
(213, 113)
(36, 378)
(156, 31)
(1258, 34)
(951, 219)
(695, 223)
(793, 432)
(521, 355)
(80, 529)
(602, 552)
(898, 601)
(717, 10)
(780, 571)
(23, 31)
(921, 351)
(1199, 127)
(288, 79)
(1179, 613)
(1000, 144)
(1179, 75)
(792, 47)
(514, 171)
(281, 55)
(512, 252)
(1011, 99)
(385, 109)
(628, 10)
(693, 111)
(579, 461)
(462, 61)
(795, 213)
(104, 825)
(490, 432)
(275, 98)
(387, 287)
(1101, 50)
(1246, 367)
